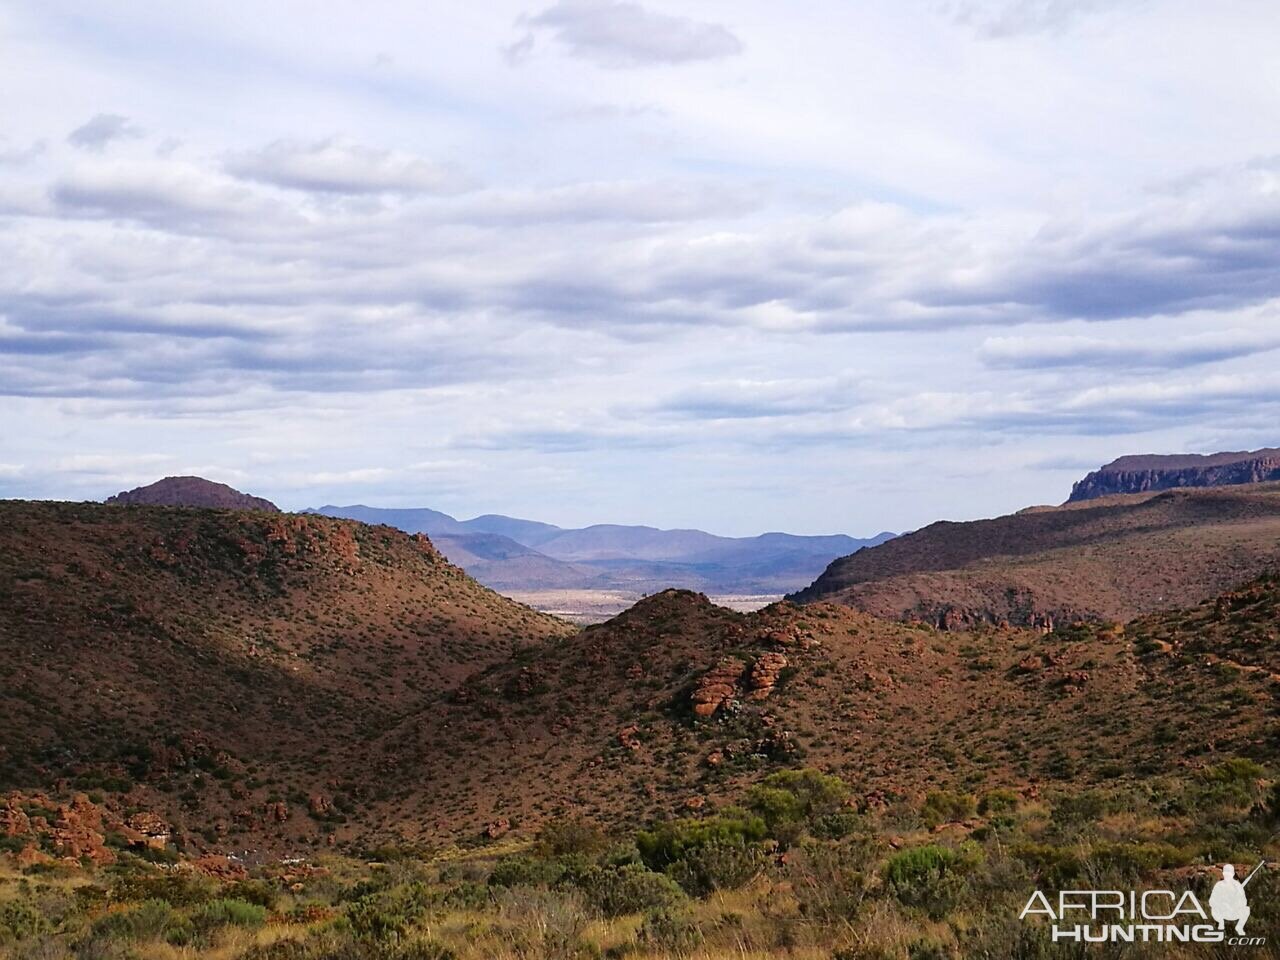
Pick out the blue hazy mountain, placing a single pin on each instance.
(511, 553)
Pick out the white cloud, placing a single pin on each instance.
(615, 33)
(336, 165)
(1009, 18)
(102, 129)
(823, 251)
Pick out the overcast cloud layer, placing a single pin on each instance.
(714, 265)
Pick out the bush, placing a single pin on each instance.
(19, 920)
(671, 841)
(945, 806)
(633, 888)
(1077, 808)
(779, 808)
(998, 801)
(670, 931)
(371, 920)
(525, 872)
(1054, 867)
(928, 877)
(569, 837)
(919, 864)
(229, 913)
(149, 920)
(545, 924)
(261, 892)
(793, 797)
(836, 826)
(1237, 770)
(829, 881)
(718, 865)
(178, 889)
(330, 945)
(1133, 860)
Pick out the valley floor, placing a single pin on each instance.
(597, 606)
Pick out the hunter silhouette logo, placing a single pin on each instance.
(1149, 916)
(1227, 902)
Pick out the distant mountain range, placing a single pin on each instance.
(508, 553)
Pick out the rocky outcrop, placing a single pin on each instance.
(764, 675)
(191, 492)
(1147, 473)
(72, 832)
(717, 685)
(731, 679)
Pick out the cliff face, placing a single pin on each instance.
(191, 492)
(1144, 474)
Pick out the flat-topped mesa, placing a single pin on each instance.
(1140, 474)
(191, 492)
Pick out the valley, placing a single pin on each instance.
(1062, 693)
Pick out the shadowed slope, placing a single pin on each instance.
(1108, 559)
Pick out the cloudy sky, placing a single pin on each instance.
(737, 265)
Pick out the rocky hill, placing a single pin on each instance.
(1107, 559)
(675, 705)
(226, 669)
(1147, 473)
(191, 492)
(275, 684)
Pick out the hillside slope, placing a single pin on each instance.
(1109, 559)
(676, 704)
(213, 664)
(270, 684)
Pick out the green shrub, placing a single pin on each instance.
(633, 888)
(1133, 860)
(261, 892)
(572, 836)
(670, 931)
(19, 920)
(149, 920)
(928, 877)
(929, 950)
(229, 913)
(178, 889)
(1054, 867)
(526, 872)
(829, 881)
(1237, 770)
(998, 801)
(1087, 806)
(671, 841)
(331, 945)
(386, 914)
(718, 865)
(919, 863)
(778, 807)
(836, 826)
(792, 797)
(945, 806)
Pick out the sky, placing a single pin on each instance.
(741, 266)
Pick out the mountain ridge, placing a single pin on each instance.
(1110, 558)
(1144, 473)
(617, 556)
